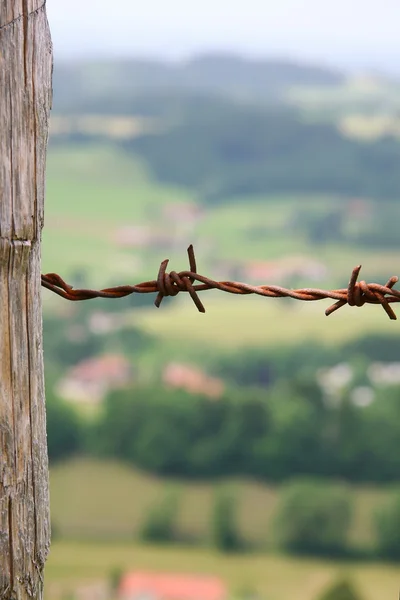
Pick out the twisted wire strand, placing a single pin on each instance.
(357, 293)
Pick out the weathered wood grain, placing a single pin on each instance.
(25, 98)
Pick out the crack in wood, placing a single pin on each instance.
(11, 158)
(35, 138)
(28, 341)
(15, 239)
(22, 16)
(25, 19)
(10, 540)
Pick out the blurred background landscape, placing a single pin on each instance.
(251, 452)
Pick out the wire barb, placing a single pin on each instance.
(357, 293)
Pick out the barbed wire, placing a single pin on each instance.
(357, 293)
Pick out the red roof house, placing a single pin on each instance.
(193, 380)
(140, 585)
(93, 377)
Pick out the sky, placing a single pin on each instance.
(351, 34)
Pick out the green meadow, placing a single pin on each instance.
(97, 507)
(74, 565)
(94, 191)
(107, 500)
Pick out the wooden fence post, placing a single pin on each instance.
(25, 98)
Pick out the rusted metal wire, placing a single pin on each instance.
(357, 293)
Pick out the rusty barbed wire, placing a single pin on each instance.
(357, 293)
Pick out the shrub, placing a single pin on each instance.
(115, 577)
(65, 430)
(246, 592)
(55, 531)
(159, 524)
(342, 589)
(387, 527)
(313, 518)
(224, 531)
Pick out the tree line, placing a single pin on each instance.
(273, 421)
(228, 151)
(313, 517)
(120, 86)
(271, 434)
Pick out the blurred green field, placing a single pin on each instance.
(365, 94)
(243, 321)
(370, 127)
(93, 190)
(106, 500)
(101, 503)
(76, 564)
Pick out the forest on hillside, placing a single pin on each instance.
(225, 144)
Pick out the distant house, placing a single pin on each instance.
(192, 380)
(140, 585)
(92, 378)
(304, 267)
(284, 269)
(178, 220)
(133, 236)
(264, 271)
(224, 270)
(359, 208)
(183, 212)
(101, 322)
(335, 380)
(384, 373)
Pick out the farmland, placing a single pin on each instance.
(94, 499)
(92, 191)
(74, 565)
(97, 508)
